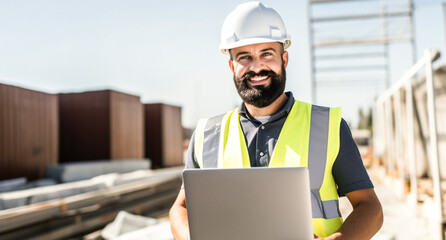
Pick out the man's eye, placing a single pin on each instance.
(244, 58)
(267, 54)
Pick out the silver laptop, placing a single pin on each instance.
(249, 203)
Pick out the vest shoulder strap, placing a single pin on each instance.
(207, 136)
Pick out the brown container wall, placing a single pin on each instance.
(173, 140)
(84, 126)
(28, 132)
(127, 126)
(164, 135)
(100, 125)
(153, 136)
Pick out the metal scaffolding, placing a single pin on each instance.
(350, 40)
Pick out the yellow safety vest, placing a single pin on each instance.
(309, 132)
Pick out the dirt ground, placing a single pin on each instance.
(402, 221)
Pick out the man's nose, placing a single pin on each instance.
(256, 65)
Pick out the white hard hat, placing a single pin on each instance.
(252, 23)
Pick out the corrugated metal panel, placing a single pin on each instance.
(28, 132)
(100, 125)
(164, 135)
(127, 126)
(84, 126)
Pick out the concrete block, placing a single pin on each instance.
(12, 184)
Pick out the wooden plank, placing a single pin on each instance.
(411, 145)
(433, 142)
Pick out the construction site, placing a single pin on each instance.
(106, 164)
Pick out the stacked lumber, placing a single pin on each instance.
(141, 193)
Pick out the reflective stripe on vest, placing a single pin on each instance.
(309, 132)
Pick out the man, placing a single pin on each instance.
(271, 128)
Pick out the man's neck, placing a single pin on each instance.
(268, 110)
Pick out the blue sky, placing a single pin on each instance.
(163, 51)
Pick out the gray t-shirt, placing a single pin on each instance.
(261, 136)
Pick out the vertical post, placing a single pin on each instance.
(377, 137)
(432, 118)
(196, 95)
(385, 35)
(312, 53)
(389, 136)
(399, 139)
(379, 140)
(412, 30)
(444, 22)
(382, 131)
(413, 197)
(386, 129)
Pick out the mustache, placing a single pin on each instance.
(251, 74)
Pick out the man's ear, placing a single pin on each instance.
(231, 65)
(285, 58)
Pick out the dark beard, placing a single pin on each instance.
(261, 96)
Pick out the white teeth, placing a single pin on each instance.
(258, 78)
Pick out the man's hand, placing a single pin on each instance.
(178, 218)
(333, 236)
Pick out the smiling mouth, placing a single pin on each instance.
(258, 78)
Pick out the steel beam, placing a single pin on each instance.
(351, 55)
(354, 68)
(361, 17)
(362, 41)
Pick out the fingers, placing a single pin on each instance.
(334, 236)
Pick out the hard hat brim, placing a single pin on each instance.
(245, 42)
